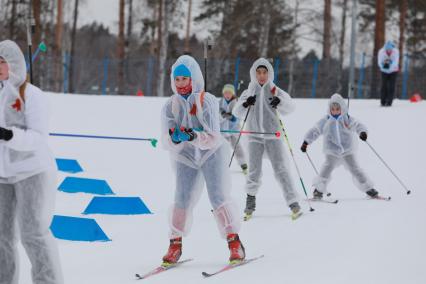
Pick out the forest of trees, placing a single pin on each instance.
(153, 33)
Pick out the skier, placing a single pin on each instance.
(264, 100)
(388, 61)
(27, 173)
(197, 157)
(339, 145)
(231, 122)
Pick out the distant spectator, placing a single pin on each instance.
(388, 61)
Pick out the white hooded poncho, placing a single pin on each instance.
(339, 134)
(199, 111)
(27, 153)
(262, 117)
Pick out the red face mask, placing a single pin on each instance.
(388, 52)
(185, 90)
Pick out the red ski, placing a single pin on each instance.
(231, 266)
(378, 197)
(160, 269)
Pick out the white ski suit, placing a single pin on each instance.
(232, 124)
(27, 177)
(203, 159)
(263, 118)
(340, 144)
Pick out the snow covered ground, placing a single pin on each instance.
(356, 241)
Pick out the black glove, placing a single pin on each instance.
(5, 134)
(227, 115)
(275, 101)
(304, 147)
(190, 132)
(249, 102)
(363, 136)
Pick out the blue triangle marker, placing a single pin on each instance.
(77, 229)
(68, 166)
(117, 206)
(85, 185)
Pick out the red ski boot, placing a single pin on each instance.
(174, 252)
(236, 249)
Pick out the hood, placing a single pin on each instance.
(196, 75)
(14, 57)
(336, 98)
(257, 63)
(389, 45)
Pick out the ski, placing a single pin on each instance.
(160, 269)
(231, 266)
(294, 216)
(325, 200)
(384, 198)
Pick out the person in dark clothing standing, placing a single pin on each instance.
(388, 61)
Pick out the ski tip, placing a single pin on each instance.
(260, 256)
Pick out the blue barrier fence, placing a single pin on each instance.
(311, 77)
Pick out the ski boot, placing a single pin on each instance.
(372, 193)
(250, 207)
(244, 168)
(174, 252)
(236, 249)
(317, 194)
(296, 211)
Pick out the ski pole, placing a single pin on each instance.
(276, 134)
(239, 136)
(41, 47)
(30, 31)
(152, 140)
(207, 47)
(381, 159)
(294, 160)
(312, 163)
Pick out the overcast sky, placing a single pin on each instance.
(101, 11)
(106, 12)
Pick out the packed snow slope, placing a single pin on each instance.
(355, 241)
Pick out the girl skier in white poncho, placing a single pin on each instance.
(263, 100)
(340, 144)
(27, 174)
(198, 156)
(230, 122)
